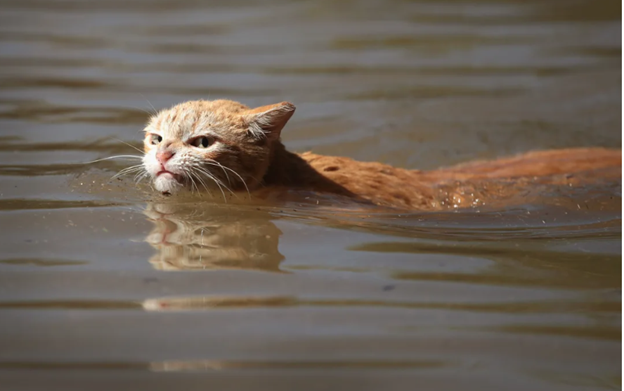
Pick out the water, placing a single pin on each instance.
(108, 285)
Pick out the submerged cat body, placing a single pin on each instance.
(228, 146)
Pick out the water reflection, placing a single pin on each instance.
(188, 238)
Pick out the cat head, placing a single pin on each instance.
(218, 144)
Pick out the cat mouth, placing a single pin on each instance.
(168, 182)
(165, 172)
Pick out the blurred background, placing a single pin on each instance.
(107, 286)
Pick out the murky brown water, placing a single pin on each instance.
(108, 286)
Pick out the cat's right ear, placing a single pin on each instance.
(268, 121)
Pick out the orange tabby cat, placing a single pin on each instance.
(225, 143)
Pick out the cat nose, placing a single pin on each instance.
(165, 155)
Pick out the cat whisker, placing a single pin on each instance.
(218, 180)
(216, 163)
(115, 157)
(219, 185)
(135, 167)
(128, 170)
(239, 177)
(128, 144)
(215, 180)
(141, 177)
(119, 175)
(223, 167)
(190, 176)
(151, 105)
(204, 184)
(195, 186)
(143, 110)
(200, 181)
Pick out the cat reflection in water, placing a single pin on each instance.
(227, 147)
(186, 240)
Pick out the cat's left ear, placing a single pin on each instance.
(268, 121)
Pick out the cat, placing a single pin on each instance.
(225, 145)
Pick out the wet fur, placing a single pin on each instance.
(247, 155)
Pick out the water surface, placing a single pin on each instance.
(108, 285)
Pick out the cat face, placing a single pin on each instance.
(203, 145)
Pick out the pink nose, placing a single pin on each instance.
(165, 155)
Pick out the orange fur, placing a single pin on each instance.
(247, 142)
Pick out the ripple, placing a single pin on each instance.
(212, 365)
(42, 262)
(32, 204)
(49, 113)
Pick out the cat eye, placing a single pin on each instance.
(202, 142)
(155, 139)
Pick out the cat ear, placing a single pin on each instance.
(268, 121)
